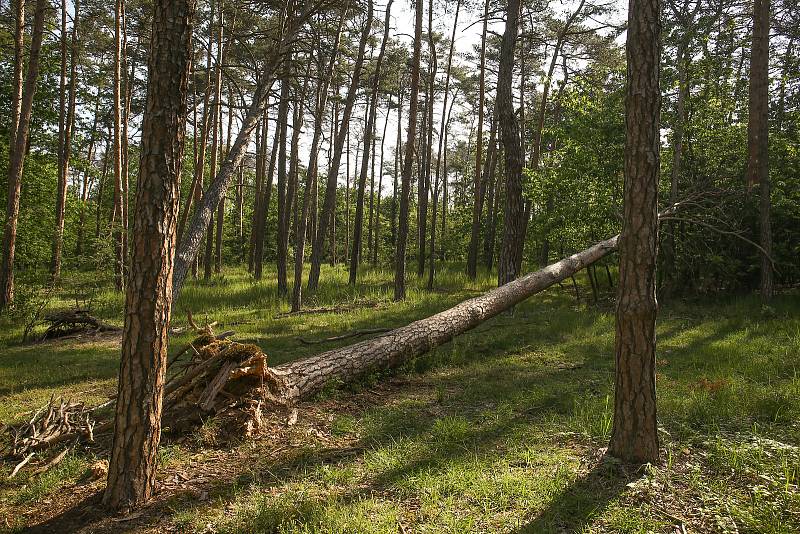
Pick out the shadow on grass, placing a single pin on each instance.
(577, 505)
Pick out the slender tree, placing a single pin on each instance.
(17, 153)
(757, 137)
(369, 133)
(408, 161)
(472, 254)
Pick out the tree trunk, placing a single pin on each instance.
(87, 182)
(376, 246)
(408, 163)
(634, 438)
(512, 216)
(493, 185)
(17, 161)
(303, 378)
(283, 231)
(134, 452)
(118, 215)
(424, 189)
(328, 205)
(312, 169)
(19, 60)
(472, 255)
(757, 136)
(266, 197)
(369, 133)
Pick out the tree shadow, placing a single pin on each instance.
(577, 505)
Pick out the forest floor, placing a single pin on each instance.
(501, 430)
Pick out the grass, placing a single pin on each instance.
(500, 430)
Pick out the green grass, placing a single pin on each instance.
(500, 430)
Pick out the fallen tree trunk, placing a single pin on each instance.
(302, 378)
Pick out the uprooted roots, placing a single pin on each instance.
(222, 377)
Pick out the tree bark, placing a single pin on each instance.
(137, 429)
(757, 137)
(329, 203)
(634, 438)
(408, 162)
(512, 149)
(17, 161)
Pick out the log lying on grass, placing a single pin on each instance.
(302, 378)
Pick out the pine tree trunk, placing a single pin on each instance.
(512, 215)
(472, 255)
(283, 231)
(118, 215)
(757, 137)
(328, 205)
(424, 189)
(17, 157)
(134, 452)
(408, 162)
(369, 147)
(634, 437)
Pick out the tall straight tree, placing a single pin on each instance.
(424, 186)
(19, 135)
(408, 161)
(283, 231)
(118, 215)
(65, 126)
(758, 136)
(312, 170)
(148, 302)
(369, 131)
(472, 254)
(333, 170)
(512, 150)
(442, 135)
(634, 438)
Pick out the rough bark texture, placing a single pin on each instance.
(512, 150)
(17, 157)
(408, 162)
(635, 436)
(149, 291)
(303, 378)
(329, 203)
(757, 136)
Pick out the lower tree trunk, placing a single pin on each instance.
(134, 452)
